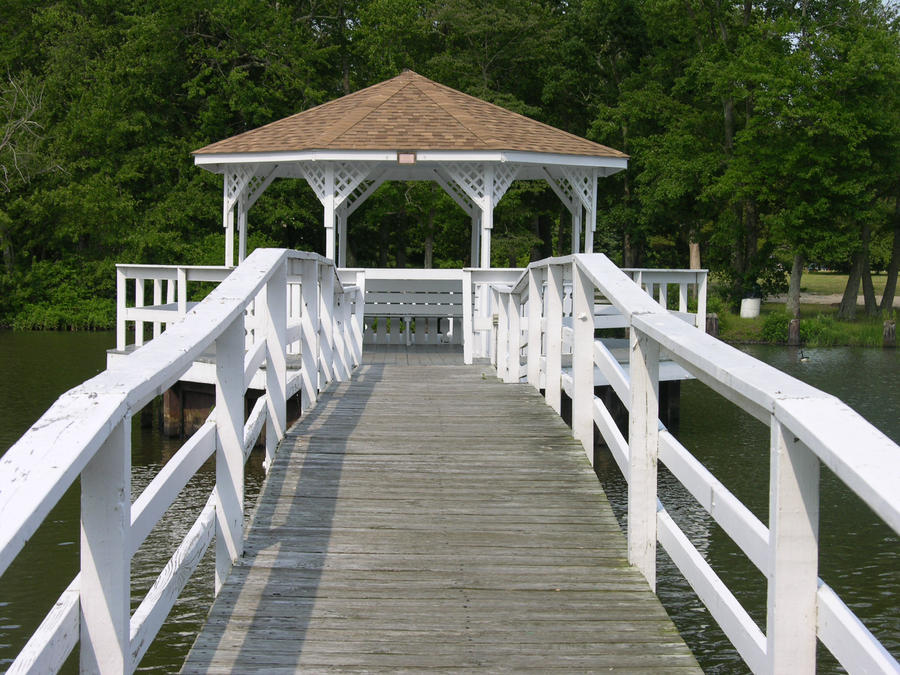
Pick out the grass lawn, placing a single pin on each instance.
(828, 283)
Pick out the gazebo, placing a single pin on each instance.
(408, 128)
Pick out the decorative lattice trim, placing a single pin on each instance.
(504, 175)
(469, 176)
(258, 184)
(316, 175)
(237, 178)
(582, 182)
(456, 193)
(347, 178)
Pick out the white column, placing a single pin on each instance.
(583, 360)
(228, 217)
(309, 334)
(229, 448)
(341, 223)
(643, 449)
(105, 560)
(242, 228)
(535, 314)
(276, 361)
(552, 385)
(467, 319)
(474, 258)
(793, 554)
(329, 204)
(487, 215)
(576, 228)
(121, 292)
(591, 223)
(514, 336)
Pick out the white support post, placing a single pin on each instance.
(467, 319)
(793, 554)
(476, 239)
(487, 215)
(591, 223)
(535, 314)
(276, 361)
(182, 292)
(552, 384)
(242, 208)
(105, 559)
(583, 360)
(341, 223)
(330, 207)
(576, 228)
(229, 448)
(121, 291)
(341, 357)
(309, 335)
(228, 216)
(514, 337)
(683, 297)
(138, 302)
(701, 302)
(326, 325)
(503, 338)
(359, 317)
(157, 300)
(643, 449)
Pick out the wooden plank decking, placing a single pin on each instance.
(426, 518)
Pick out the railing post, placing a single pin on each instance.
(309, 334)
(701, 301)
(793, 554)
(341, 353)
(552, 384)
(276, 360)
(513, 337)
(182, 292)
(502, 336)
(121, 289)
(583, 360)
(105, 560)
(643, 450)
(359, 318)
(535, 314)
(467, 318)
(229, 448)
(326, 325)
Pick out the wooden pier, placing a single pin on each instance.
(425, 516)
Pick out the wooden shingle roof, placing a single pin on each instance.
(408, 112)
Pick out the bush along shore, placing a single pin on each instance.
(818, 327)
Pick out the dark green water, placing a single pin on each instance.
(859, 554)
(37, 368)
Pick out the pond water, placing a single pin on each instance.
(858, 558)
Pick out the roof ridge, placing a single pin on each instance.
(360, 112)
(442, 100)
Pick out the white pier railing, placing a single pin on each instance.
(276, 302)
(536, 324)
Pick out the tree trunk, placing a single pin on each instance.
(847, 308)
(866, 274)
(793, 297)
(890, 286)
(694, 249)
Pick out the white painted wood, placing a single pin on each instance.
(734, 620)
(309, 342)
(253, 426)
(613, 372)
(701, 300)
(105, 579)
(155, 607)
(229, 448)
(613, 438)
(326, 326)
(253, 359)
(50, 645)
(157, 300)
(794, 552)
(514, 338)
(535, 305)
(583, 361)
(182, 291)
(166, 485)
(852, 644)
(467, 328)
(503, 335)
(554, 295)
(744, 528)
(643, 443)
(139, 302)
(121, 290)
(359, 317)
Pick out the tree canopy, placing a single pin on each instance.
(763, 135)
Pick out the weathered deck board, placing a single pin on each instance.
(428, 517)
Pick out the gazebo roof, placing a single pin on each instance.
(406, 113)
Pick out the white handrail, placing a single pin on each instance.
(86, 433)
(807, 427)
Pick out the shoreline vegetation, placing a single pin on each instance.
(819, 325)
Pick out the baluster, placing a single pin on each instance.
(663, 297)
(309, 334)
(275, 304)
(157, 301)
(513, 337)
(105, 560)
(683, 297)
(326, 325)
(359, 317)
(468, 337)
(701, 301)
(643, 448)
(182, 292)
(121, 290)
(552, 385)
(502, 336)
(583, 360)
(535, 307)
(794, 552)
(229, 447)
(138, 302)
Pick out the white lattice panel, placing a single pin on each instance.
(316, 175)
(504, 175)
(257, 184)
(582, 182)
(237, 178)
(470, 177)
(347, 177)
